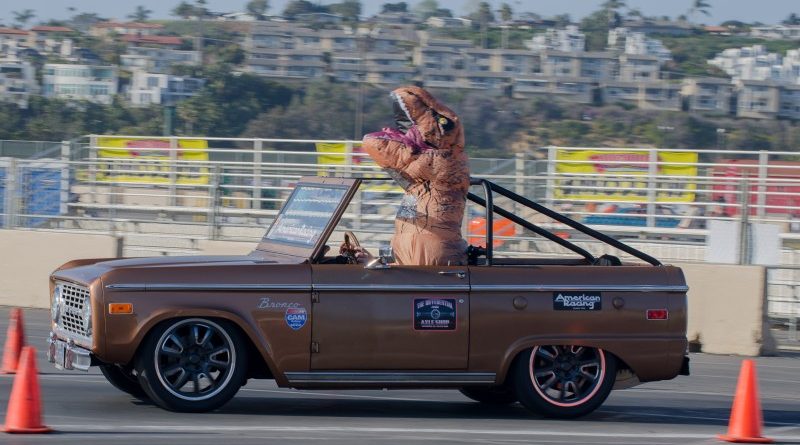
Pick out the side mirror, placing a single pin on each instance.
(384, 259)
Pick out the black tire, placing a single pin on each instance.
(490, 395)
(564, 381)
(192, 365)
(124, 380)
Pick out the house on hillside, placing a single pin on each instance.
(161, 89)
(17, 82)
(106, 29)
(95, 83)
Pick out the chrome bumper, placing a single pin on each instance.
(66, 355)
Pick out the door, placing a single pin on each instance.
(404, 317)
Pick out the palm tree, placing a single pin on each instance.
(141, 14)
(506, 13)
(22, 17)
(699, 6)
(611, 7)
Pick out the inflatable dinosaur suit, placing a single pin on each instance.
(425, 155)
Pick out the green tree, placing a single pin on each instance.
(792, 19)
(184, 10)
(349, 9)
(483, 15)
(22, 17)
(296, 7)
(595, 26)
(394, 7)
(426, 9)
(613, 17)
(506, 13)
(257, 8)
(700, 6)
(141, 14)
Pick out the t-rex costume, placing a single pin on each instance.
(425, 154)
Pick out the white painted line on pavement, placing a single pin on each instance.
(734, 377)
(699, 393)
(679, 416)
(386, 430)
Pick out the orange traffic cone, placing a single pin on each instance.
(24, 413)
(746, 421)
(15, 340)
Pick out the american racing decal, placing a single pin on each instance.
(296, 317)
(577, 301)
(435, 314)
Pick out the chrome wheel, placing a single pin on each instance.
(566, 375)
(195, 359)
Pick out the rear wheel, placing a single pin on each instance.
(492, 395)
(564, 381)
(192, 365)
(124, 380)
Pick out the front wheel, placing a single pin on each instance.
(564, 381)
(192, 365)
(124, 380)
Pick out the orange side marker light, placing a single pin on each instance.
(120, 308)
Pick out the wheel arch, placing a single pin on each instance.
(517, 349)
(256, 347)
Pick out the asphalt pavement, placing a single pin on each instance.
(85, 409)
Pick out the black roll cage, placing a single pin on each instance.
(489, 188)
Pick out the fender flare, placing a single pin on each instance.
(163, 314)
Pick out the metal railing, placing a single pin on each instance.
(176, 190)
(783, 303)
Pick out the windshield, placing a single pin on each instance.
(306, 214)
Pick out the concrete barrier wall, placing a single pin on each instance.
(27, 258)
(727, 309)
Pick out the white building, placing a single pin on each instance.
(788, 32)
(569, 40)
(86, 82)
(164, 89)
(158, 60)
(17, 82)
(637, 43)
(755, 63)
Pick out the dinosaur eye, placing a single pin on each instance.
(445, 123)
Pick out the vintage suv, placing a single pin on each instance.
(554, 334)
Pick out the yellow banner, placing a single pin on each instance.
(149, 160)
(335, 154)
(614, 169)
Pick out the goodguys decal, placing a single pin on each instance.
(434, 314)
(577, 301)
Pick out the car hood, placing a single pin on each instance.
(87, 271)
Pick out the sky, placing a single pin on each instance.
(766, 11)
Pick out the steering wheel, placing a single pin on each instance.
(350, 247)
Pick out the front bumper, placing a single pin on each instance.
(66, 355)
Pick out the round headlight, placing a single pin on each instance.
(87, 315)
(55, 303)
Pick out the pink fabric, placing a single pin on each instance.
(413, 138)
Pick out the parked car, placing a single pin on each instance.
(555, 334)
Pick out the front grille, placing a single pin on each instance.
(71, 319)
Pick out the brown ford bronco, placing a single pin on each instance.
(555, 334)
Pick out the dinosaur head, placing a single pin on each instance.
(438, 125)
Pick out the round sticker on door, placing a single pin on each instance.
(296, 317)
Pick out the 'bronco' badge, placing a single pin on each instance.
(296, 317)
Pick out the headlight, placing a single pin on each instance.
(87, 315)
(55, 303)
